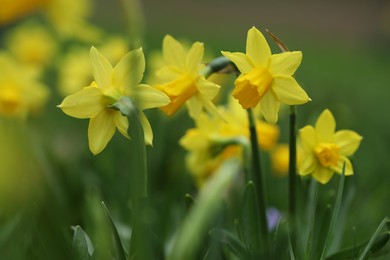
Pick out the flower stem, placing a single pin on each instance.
(292, 168)
(257, 177)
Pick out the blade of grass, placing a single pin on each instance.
(370, 243)
(122, 254)
(336, 209)
(194, 227)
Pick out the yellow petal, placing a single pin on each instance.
(325, 127)
(340, 164)
(348, 141)
(148, 133)
(285, 64)
(308, 138)
(240, 59)
(122, 124)
(130, 69)
(168, 73)
(207, 88)
(100, 130)
(173, 52)
(194, 57)
(288, 91)
(323, 175)
(194, 106)
(86, 103)
(193, 140)
(308, 164)
(257, 48)
(149, 97)
(101, 68)
(269, 107)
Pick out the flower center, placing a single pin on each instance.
(10, 100)
(327, 154)
(251, 87)
(178, 91)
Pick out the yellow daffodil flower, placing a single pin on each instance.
(266, 79)
(110, 85)
(325, 151)
(182, 80)
(206, 142)
(75, 69)
(21, 93)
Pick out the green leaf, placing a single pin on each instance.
(368, 249)
(82, 247)
(189, 201)
(231, 241)
(250, 218)
(122, 254)
(351, 253)
(330, 233)
(195, 226)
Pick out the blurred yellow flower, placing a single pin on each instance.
(111, 84)
(11, 10)
(32, 44)
(280, 158)
(182, 80)
(75, 68)
(21, 93)
(207, 143)
(70, 19)
(266, 79)
(324, 150)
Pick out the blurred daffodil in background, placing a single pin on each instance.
(266, 79)
(110, 85)
(21, 92)
(325, 150)
(32, 44)
(181, 79)
(11, 10)
(215, 140)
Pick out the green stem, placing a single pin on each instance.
(257, 177)
(292, 174)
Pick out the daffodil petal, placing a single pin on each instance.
(122, 124)
(207, 88)
(240, 59)
(348, 141)
(129, 71)
(173, 52)
(325, 127)
(149, 97)
(323, 175)
(193, 140)
(340, 165)
(194, 57)
(194, 107)
(86, 103)
(148, 133)
(269, 107)
(101, 68)
(100, 130)
(168, 73)
(257, 47)
(285, 63)
(308, 138)
(288, 91)
(308, 164)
